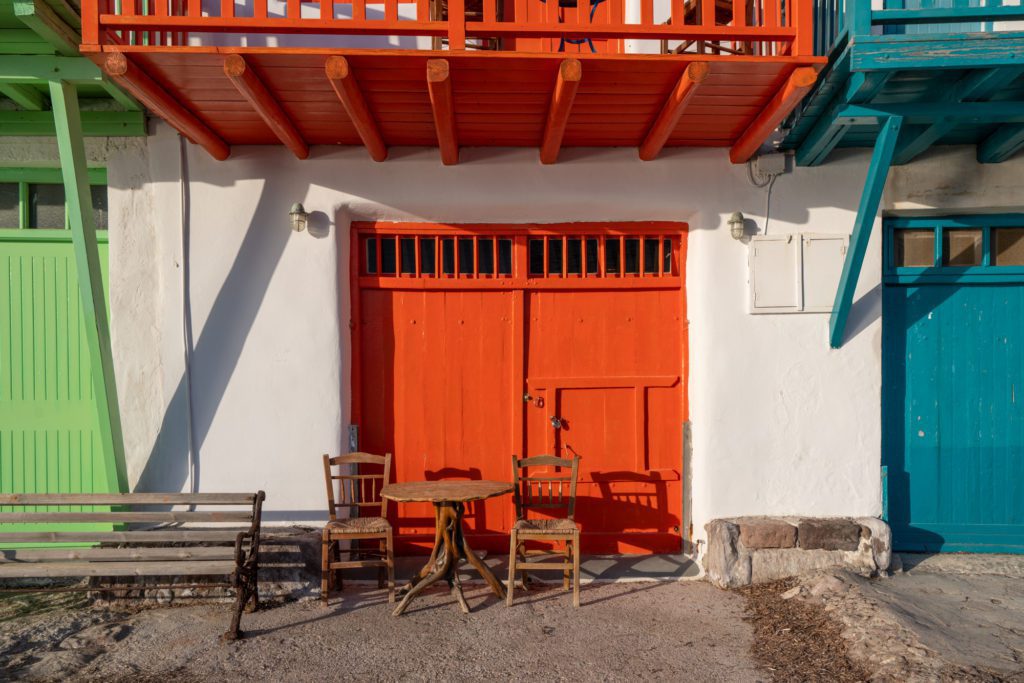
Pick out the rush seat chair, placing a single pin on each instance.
(360, 493)
(551, 492)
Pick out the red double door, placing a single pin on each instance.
(474, 343)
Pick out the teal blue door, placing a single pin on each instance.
(953, 405)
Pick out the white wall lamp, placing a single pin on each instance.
(299, 217)
(736, 228)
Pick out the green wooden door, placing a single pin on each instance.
(49, 436)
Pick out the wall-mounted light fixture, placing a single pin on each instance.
(736, 225)
(299, 217)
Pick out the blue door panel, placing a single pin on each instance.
(953, 419)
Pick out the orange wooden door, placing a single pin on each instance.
(469, 339)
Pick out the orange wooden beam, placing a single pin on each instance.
(439, 85)
(784, 101)
(346, 87)
(241, 75)
(566, 84)
(136, 81)
(673, 109)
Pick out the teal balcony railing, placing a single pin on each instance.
(835, 20)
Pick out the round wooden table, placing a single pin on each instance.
(450, 546)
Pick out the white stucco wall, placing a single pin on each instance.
(781, 423)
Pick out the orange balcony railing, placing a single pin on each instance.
(768, 28)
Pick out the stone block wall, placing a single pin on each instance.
(747, 550)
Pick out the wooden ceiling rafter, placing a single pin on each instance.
(570, 71)
(439, 87)
(141, 85)
(799, 82)
(675, 105)
(346, 87)
(249, 85)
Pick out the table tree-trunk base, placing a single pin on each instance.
(450, 547)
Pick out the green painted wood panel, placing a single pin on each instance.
(49, 439)
(953, 416)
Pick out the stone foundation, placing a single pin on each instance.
(748, 550)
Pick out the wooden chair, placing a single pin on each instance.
(547, 492)
(359, 493)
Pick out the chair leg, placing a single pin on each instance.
(567, 554)
(576, 570)
(381, 571)
(389, 551)
(513, 547)
(325, 571)
(522, 571)
(339, 581)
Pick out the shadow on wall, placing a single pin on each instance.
(216, 351)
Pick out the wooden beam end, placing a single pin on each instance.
(337, 68)
(698, 71)
(116, 64)
(571, 70)
(234, 66)
(438, 70)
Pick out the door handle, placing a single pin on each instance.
(556, 422)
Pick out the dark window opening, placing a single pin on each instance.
(465, 256)
(46, 206)
(667, 258)
(536, 257)
(371, 256)
(651, 255)
(428, 255)
(554, 257)
(592, 263)
(574, 256)
(612, 257)
(632, 256)
(504, 257)
(408, 249)
(485, 256)
(387, 256)
(448, 256)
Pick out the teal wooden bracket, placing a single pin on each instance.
(930, 112)
(828, 131)
(94, 123)
(977, 85)
(71, 146)
(881, 159)
(1002, 144)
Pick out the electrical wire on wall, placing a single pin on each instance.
(762, 180)
(186, 312)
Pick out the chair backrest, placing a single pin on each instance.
(357, 491)
(551, 491)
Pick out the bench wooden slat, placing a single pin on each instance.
(117, 554)
(170, 516)
(14, 570)
(127, 498)
(155, 536)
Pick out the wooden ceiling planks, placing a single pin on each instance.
(498, 99)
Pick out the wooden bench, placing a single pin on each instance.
(136, 542)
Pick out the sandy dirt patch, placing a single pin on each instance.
(623, 631)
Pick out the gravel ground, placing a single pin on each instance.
(650, 631)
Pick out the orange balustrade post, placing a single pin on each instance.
(90, 23)
(456, 24)
(803, 23)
